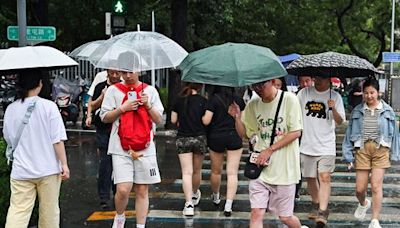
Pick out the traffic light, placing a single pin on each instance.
(118, 24)
(119, 7)
(118, 16)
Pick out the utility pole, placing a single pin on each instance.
(21, 9)
(392, 34)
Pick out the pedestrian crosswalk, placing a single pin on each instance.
(167, 199)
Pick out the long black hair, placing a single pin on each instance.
(371, 81)
(30, 79)
(225, 93)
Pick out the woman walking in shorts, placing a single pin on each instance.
(191, 142)
(221, 137)
(373, 135)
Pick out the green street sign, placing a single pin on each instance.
(33, 33)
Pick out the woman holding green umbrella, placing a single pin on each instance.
(222, 138)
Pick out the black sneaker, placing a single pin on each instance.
(227, 213)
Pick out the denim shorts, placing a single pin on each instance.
(195, 144)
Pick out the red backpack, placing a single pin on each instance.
(134, 126)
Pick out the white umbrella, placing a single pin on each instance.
(138, 51)
(33, 57)
(85, 50)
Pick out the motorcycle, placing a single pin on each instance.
(8, 92)
(66, 95)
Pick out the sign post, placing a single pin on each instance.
(33, 33)
(390, 57)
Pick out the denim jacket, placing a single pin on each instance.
(387, 129)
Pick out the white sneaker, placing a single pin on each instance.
(196, 198)
(188, 210)
(304, 226)
(216, 198)
(119, 221)
(361, 210)
(374, 224)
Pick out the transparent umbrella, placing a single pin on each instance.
(138, 51)
(85, 50)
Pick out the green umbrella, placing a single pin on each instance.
(231, 64)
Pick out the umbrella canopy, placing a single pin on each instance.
(138, 51)
(33, 57)
(331, 64)
(231, 64)
(85, 50)
(286, 59)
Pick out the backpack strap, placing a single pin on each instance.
(124, 89)
(276, 119)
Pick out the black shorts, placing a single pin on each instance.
(221, 142)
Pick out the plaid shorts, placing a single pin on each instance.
(195, 144)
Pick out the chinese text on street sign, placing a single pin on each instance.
(33, 33)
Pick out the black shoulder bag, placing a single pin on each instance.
(251, 170)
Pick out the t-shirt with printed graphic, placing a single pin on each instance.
(258, 118)
(318, 136)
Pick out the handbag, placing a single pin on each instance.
(10, 149)
(252, 170)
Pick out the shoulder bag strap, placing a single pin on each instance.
(276, 118)
(25, 121)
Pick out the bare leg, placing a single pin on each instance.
(122, 196)
(377, 193)
(324, 190)
(291, 222)
(232, 167)
(256, 217)
(361, 185)
(141, 202)
(217, 160)
(313, 189)
(186, 160)
(197, 165)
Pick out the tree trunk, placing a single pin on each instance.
(179, 24)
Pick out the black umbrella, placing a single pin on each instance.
(331, 64)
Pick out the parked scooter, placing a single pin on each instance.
(8, 92)
(66, 93)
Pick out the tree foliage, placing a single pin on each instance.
(359, 27)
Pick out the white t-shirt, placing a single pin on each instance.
(318, 137)
(34, 157)
(258, 118)
(112, 100)
(100, 77)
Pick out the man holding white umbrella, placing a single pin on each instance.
(131, 53)
(131, 167)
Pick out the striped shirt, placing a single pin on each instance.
(371, 128)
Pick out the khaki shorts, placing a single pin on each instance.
(371, 157)
(277, 199)
(312, 165)
(141, 171)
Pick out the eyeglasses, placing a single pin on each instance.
(258, 86)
